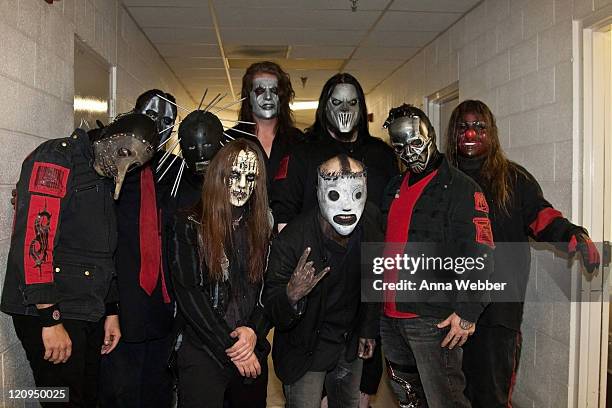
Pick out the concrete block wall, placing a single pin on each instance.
(515, 55)
(37, 82)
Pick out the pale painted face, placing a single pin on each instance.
(343, 108)
(264, 96)
(243, 178)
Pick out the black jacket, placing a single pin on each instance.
(64, 233)
(297, 330)
(294, 191)
(201, 304)
(529, 215)
(444, 214)
(282, 147)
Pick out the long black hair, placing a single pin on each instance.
(321, 125)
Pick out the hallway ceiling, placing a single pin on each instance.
(311, 39)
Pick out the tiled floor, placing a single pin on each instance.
(384, 398)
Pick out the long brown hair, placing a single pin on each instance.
(285, 93)
(496, 167)
(216, 219)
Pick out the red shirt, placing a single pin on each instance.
(398, 226)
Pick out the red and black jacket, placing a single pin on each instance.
(448, 212)
(64, 234)
(529, 215)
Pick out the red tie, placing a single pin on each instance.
(150, 240)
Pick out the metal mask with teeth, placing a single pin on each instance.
(125, 144)
(412, 136)
(200, 135)
(264, 97)
(342, 108)
(243, 177)
(342, 194)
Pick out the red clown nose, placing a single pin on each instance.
(470, 134)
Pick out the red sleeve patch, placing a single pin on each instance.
(49, 178)
(283, 167)
(484, 234)
(480, 202)
(41, 227)
(543, 220)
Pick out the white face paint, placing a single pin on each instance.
(242, 178)
(264, 97)
(342, 200)
(342, 108)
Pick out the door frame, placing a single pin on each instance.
(590, 315)
(432, 106)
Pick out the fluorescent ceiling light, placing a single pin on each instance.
(304, 105)
(90, 105)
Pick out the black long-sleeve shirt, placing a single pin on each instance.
(204, 312)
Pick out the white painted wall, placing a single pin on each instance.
(515, 55)
(37, 83)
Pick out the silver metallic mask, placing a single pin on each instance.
(264, 97)
(243, 178)
(412, 136)
(161, 112)
(342, 108)
(342, 198)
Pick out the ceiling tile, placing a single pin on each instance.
(181, 35)
(195, 62)
(385, 53)
(305, 51)
(171, 16)
(416, 21)
(195, 50)
(249, 18)
(375, 66)
(439, 5)
(270, 36)
(399, 38)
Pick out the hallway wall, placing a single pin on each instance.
(515, 55)
(37, 82)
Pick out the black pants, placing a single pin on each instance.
(79, 373)
(136, 375)
(203, 384)
(490, 362)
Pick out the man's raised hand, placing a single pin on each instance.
(303, 279)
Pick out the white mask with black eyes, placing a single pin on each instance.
(243, 178)
(342, 198)
(264, 97)
(342, 108)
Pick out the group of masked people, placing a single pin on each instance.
(132, 268)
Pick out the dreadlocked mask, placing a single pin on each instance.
(342, 193)
(412, 136)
